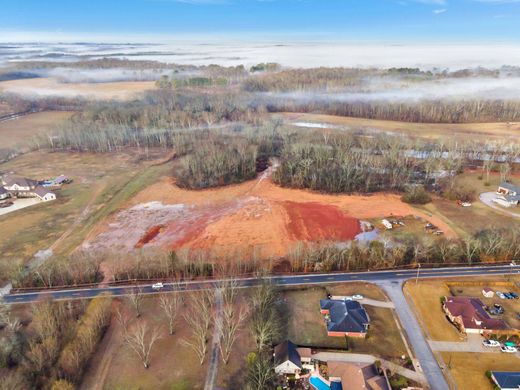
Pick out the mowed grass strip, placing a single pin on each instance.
(469, 369)
(425, 297)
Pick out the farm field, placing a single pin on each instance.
(306, 325)
(101, 183)
(469, 369)
(497, 130)
(255, 216)
(40, 87)
(20, 131)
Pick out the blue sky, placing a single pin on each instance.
(353, 20)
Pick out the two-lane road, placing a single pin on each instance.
(289, 280)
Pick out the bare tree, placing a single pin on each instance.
(170, 304)
(136, 300)
(198, 319)
(141, 340)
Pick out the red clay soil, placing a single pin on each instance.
(149, 235)
(316, 221)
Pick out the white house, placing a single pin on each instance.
(16, 184)
(508, 195)
(287, 359)
(44, 194)
(487, 292)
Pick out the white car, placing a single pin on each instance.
(490, 343)
(357, 297)
(508, 349)
(500, 295)
(157, 286)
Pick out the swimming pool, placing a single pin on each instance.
(318, 383)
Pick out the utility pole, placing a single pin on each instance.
(418, 269)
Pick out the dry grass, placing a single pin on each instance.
(20, 131)
(425, 297)
(368, 290)
(306, 326)
(469, 369)
(498, 130)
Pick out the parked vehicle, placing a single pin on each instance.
(508, 296)
(500, 294)
(508, 349)
(157, 286)
(490, 343)
(357, 297)
(514, 295)
(7, 203)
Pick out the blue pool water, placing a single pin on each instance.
(318, 384)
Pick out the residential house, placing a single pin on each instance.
(4, 194)
(508, 195)
(487, 292)
(469, 316)
(44, 194)
(287, 359)
(19, 186)
(505, 380)
(345, 318)
(357, 376)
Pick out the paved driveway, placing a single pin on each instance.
(487, 199)
(421, 348)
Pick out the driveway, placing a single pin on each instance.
(19, 204)
(423, 352)
(487, 199)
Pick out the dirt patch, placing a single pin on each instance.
(256, 216)
(314, 222)
(149, 235)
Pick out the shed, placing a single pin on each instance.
(487, 292)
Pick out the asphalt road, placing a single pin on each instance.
(289, 280)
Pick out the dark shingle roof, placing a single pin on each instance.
(2, 190)
(287, 351)
(507, 380)
(345, 316)
(41, 191)
(10, 180)
(510, 187)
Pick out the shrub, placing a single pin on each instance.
(416, 195)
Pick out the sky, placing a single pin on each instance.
(342, 20)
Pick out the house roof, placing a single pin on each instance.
(345, 316)
(287, 351)
(513, 198)
(507, 380)
(487, 289)
(510, 186)
(357, 376)
(472, 313)
(3, 190)
(42, 191)
(10, 180)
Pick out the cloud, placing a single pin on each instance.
(439, 11)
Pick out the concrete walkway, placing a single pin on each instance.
(369, 359)
(422, 350)
(487, 199)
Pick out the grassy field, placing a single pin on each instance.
(498, 130)
(469, 369)
(20, 131)
(425, 297)
(101, 184)
(306, 325)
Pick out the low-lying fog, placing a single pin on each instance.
(295, 54)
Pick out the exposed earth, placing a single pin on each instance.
(254, 216)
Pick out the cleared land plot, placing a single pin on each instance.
(306, 326)
(469, 369)
(101, 184)
(20, 131)
(40, 87)
(499, 130)
(253, 216)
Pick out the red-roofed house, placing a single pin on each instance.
(469, 316)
